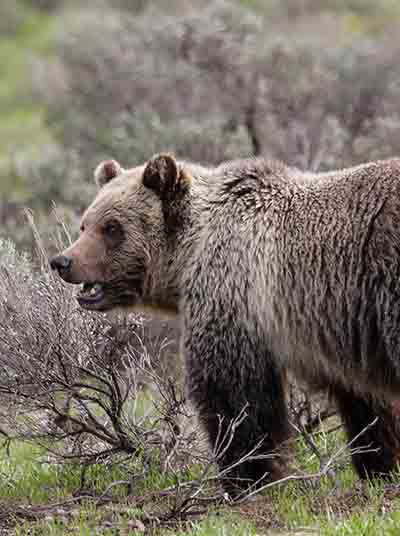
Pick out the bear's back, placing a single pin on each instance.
(314, 260)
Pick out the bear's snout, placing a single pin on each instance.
(62, 264)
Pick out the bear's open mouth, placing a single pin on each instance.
(90, 294)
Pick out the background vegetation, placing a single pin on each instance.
(314, 83)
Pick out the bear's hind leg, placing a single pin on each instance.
(382, 439)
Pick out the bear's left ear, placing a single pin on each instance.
(106, 171)
(163, 175)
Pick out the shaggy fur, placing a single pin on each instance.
(271, 269)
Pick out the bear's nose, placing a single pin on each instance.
(61, 263)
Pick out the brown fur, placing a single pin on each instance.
(271, 269)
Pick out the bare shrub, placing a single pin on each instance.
(78, 379)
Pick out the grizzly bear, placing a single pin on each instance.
(271, 270)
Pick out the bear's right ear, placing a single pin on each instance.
(106, 171)
(164, 176)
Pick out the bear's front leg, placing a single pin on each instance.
(241, 403)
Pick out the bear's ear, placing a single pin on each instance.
(163, 175)
(106, 171)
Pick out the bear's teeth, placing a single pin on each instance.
(94, 290)
(91, 289)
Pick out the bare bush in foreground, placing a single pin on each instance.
(74, 381)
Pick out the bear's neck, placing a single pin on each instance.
(181, 239)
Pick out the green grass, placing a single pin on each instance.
(327, 506)
(360, 524)
(28, 476)
(26, 479)
(89, 521)
(215, 525)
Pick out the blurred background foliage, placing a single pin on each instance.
(314, 83)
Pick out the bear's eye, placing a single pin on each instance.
(112, 229)
(82, 228)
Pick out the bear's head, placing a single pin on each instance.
(125, 255)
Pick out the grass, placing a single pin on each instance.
(117, 523)
(29, 477)
(26, 478)
(39, 498)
